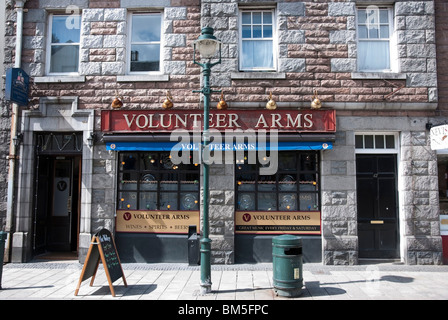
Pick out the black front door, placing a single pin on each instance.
(376, 178)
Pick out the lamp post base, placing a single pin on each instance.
(206, 288)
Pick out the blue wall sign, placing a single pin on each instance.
(16, 86)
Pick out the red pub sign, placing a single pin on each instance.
(221, 120)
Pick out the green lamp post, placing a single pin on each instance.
(207, 45)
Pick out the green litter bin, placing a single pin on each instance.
(287, 265)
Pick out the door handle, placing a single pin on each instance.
(69, 205)
(376, 221)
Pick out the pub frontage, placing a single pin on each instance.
(325, 134)
(158, 179)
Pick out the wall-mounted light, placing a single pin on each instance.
(316, 104)
(117, 103)
(18, 139)
(271, 105)
(91, 139)
(168, 103)
(222, 105)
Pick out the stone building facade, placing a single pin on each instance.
(316, 49)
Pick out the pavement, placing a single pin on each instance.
(57, 280)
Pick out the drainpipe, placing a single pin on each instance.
(14, 124)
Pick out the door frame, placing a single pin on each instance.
(55, 114)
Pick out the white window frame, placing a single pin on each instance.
(274, 39)
(393, 51)
(378, 150)
(130, 43)
(50, 44)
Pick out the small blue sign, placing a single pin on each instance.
(17, 86)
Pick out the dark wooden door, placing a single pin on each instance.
(376, 179)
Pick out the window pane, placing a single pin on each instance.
(246, 18)
(267, 31)
(189, 201)
(257, 54)
(148, 161)
(168, 182)
(308, 202)
(308, 183)
(372, 16)
(145, 57)
(288, 202)
(63, 30)
(64, 58)
(127, 200)
(390, 142)
(368, 139)
(373, 32)
(256, 17)
(148, 182)
(384, 16)
(362, 32)
(256, 32)
(146, 28)
(148, 201)
(379, 142)
(359, 142)
(267, 183)
(267, 18)
(246, 201)
(267, 201)
(308, 162)
(287, 161)
(361, 16)
(168, 201)
(128, 161)
(189, 182)
(247, 32)
(246, 185)
(128, 180)
(384, 32)
(287, 182)
(374, 55)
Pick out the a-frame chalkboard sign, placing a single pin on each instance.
(102, 248)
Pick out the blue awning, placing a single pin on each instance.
(168, 146)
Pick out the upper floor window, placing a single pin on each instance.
(63, 48)
(375, 29)
(145, 42)
(257, 40)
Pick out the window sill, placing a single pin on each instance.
(59, 79)
(143, 78)
(378, 75)
(257, 75)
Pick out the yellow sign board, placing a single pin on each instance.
(297, 222)
(139, 221)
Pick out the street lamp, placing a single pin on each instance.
(207, 45)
